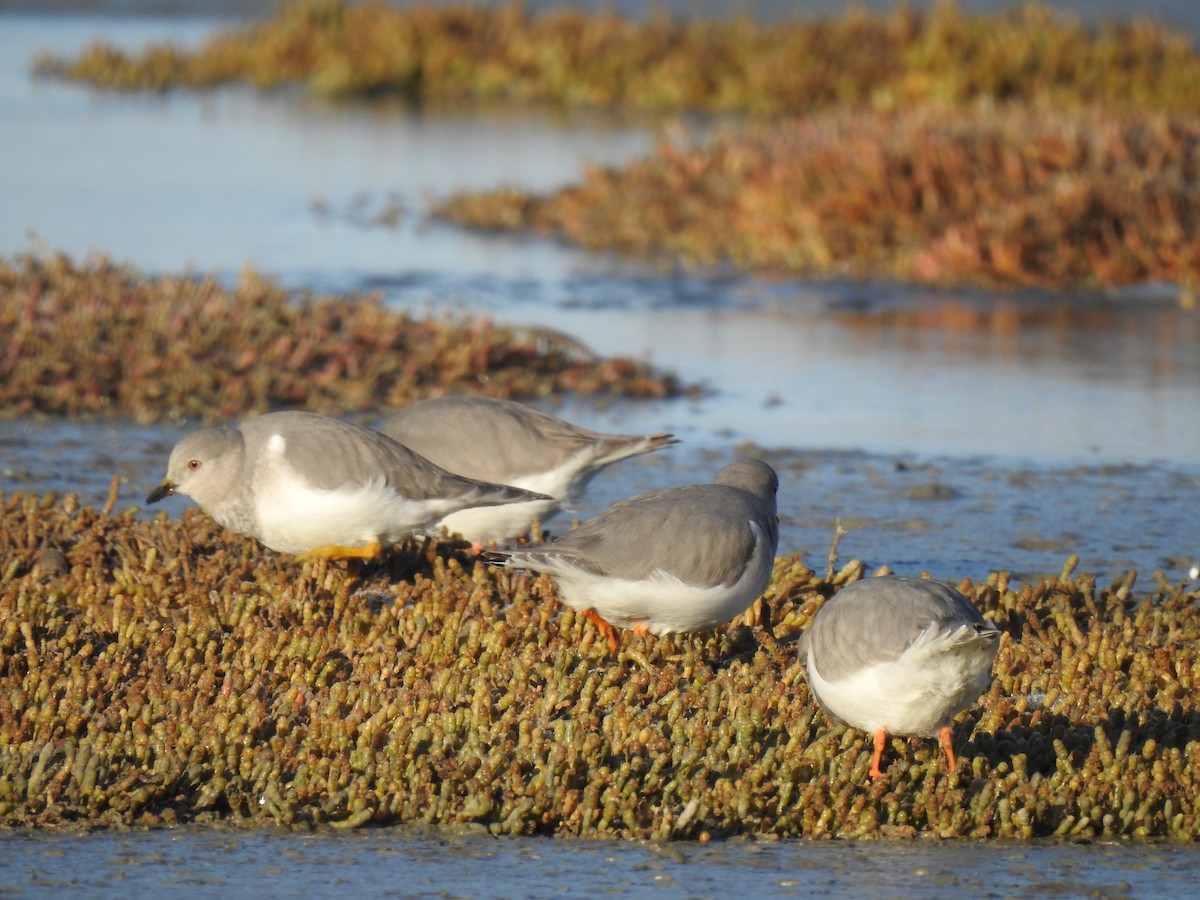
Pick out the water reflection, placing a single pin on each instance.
(885, 385)
(1150, 343)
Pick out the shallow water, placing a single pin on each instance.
(955, 517)
(953, 432)
(404, 863)
(217, 181)
(950, 431)
(1178, 12)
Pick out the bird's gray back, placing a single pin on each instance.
(495, 439)
(875, 620)
(333, 454)
(699, 533)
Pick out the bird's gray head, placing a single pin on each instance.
(752, 475)
(202, 465)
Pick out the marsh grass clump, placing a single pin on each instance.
(164, 671)
(98, 338)
(936, 147)
(460, 53)
(992, 195)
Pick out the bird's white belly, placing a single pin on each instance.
(558, 483)
(294, 517)
(481, 524)
(914, 695)
(663, 603)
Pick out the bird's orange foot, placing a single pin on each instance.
(606, 629)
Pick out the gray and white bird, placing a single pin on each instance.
(896, 655)
(313, 485)
(675, 560)
(509, 443)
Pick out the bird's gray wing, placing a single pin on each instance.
(876, 619)
(701, 534)
(500, 440)
(333, 454)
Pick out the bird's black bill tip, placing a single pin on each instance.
(166, 489)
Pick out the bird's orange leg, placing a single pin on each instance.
(880, 740)
(606, 629)
(945, 736)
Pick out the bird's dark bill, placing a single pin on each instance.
(166, 489)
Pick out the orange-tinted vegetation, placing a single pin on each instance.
(98, 338)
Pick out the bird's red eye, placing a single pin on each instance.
(193, 463)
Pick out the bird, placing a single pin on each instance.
(897, 655)
(675, 560)
(317, 486)
(510, 443)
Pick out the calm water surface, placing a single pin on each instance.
(953, 432)
(402, 863)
